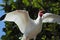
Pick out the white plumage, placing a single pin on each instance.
(30, 28)
(51, 18)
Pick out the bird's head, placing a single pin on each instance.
(41, 12)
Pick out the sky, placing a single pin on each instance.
(2, 25)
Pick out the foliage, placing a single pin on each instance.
(49, 32)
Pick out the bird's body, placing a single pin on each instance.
(30, 28)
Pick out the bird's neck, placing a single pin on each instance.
(38, 20)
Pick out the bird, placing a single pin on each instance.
(29, 27)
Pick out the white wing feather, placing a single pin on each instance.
(20, 17)
(51, 18)
(26, 25)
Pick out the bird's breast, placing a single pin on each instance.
(33, 30)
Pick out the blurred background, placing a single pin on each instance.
(10, 31)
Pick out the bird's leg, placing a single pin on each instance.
(25, 37)
(35, 38)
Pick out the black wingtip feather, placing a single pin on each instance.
(2, 17)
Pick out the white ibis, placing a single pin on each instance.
(30, 28)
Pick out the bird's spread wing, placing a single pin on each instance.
(51, 18)
(20, 17)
